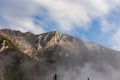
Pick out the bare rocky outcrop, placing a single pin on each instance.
(4, 46)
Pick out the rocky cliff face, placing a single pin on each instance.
(31, 44)
(25, 56)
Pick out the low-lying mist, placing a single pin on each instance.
(66, 69)
(101, 66)
(89, 71)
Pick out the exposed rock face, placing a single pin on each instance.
(37, 57)
(4, 46)
(25, 41)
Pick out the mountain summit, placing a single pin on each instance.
(29, 43)
(44, 53)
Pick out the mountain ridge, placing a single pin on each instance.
(44, 40)
(51, 34)
(62, 45)
(25, 56)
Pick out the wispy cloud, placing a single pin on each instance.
(66, 13)
(116, 39)
(17, 15)
(111, 26)
(77, 12)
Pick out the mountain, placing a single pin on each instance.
(26, 56)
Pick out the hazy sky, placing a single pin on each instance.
(91, 20)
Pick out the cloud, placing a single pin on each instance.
(17, 15)
(110, 26)
(68, 13)
(63, 15)
(116, 40)
(106, 26)
(26, 24)
(88, 70)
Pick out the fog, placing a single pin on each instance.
(65, 68)
(83, 73)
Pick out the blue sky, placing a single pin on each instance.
(91, 20)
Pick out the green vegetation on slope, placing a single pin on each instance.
(8, 42)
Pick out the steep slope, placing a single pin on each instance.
(32, 44)
(16, 65)
(44, 54)
(61, 45)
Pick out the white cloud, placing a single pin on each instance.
(26, 24)
(113, 31)
(107, 26)
(18, 15)
(79, 12)
(115, 39)
(65, 12)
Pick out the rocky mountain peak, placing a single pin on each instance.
(49, 39)
(32, 44)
